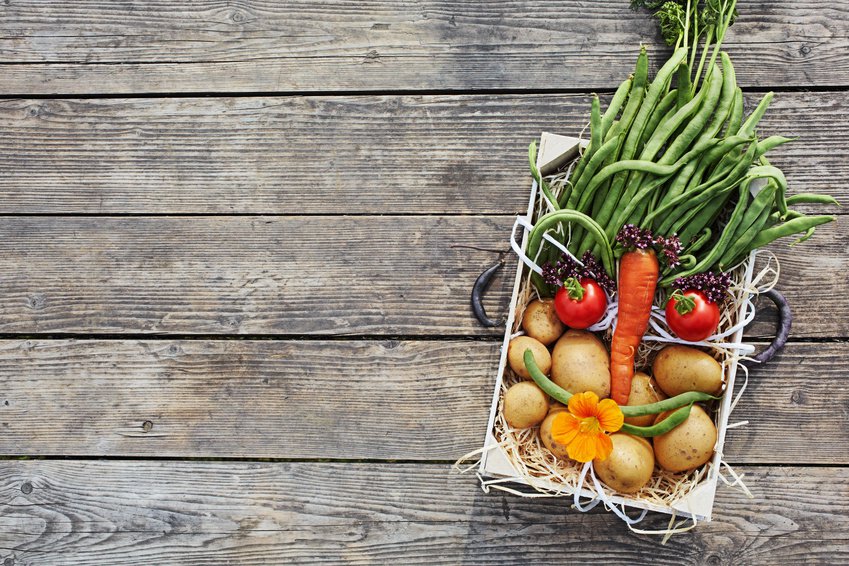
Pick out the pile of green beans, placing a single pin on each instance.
(680, 161)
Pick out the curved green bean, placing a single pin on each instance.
(595, 162)
(565, 215)
(811, 198)
(794, 226)
(687, 398)
(664, 426)
(735, 118)
(549, 387)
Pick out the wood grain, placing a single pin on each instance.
(101, 513)
(285, 276)
(408, 400)
(318, 155)
(260, 45)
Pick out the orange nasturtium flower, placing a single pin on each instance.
(583, 429)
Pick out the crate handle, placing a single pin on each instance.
(481, 285)
(782, 332)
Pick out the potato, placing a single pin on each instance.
(580, 363)
(541, 322)
(644, 390)
(679, 369)
(559, 450)
(688, 445)
(516, 355)
(525, 405)
(629, 467)
(555, 406)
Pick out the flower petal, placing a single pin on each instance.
(583, 447)
(604, 447)
(564, 428)
(584, 404)
(609, 415)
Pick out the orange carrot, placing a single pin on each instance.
(638, 272)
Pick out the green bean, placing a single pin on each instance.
(735, 118)
(635, 98)
(794, 226)
(543, 186)
(725, 107)
(770, 143)
(753, 220)
(596, 135)
(552, 219)
(699, 242)
(811, 198)
(706, 190)
(748, 127)
(615, 105)
(687, 398)
(595, 162)
(694, 171)
(705, 217)
(665, 109)
(658, 86)
(709, 96)
(549, 387)
(768, 171)
(664, 426)
(697, 123)
(685, 87)
(723, 241)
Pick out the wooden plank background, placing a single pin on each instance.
(234, 322)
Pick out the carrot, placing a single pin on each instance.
(638, 273)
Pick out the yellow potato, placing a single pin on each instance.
(643, 391)
(688, 445)
(629, 467)
(525, 405)
(540, 321)
(679, 369)
(555, 406)
(559, 450)
(580, 363)
(516, 355)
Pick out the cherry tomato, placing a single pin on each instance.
(580, 305)
(691, 315)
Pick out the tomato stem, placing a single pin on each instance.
(574, 288)
(683, 303)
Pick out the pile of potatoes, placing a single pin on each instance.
(578, 361)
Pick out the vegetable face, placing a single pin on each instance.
(691, 315)
(580, 304)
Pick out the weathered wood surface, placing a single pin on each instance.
(407, 400)
(340, 275)
(262, 45)
(318, 155)
(85, 512)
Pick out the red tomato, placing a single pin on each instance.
(580, 306)
(695, 324)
